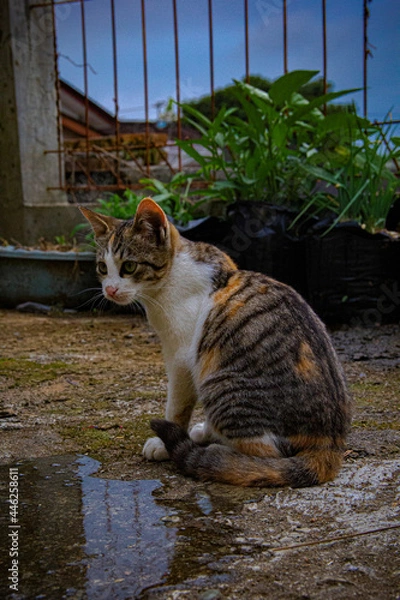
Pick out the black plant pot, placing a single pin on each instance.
(210, 230)
(259, 239)
(354, 276)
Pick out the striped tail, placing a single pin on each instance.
(217, 462)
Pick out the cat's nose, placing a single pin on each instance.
(111, 291)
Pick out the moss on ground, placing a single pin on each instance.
(24, 372)
(96, 439)
(378, 392)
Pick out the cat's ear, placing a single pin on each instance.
(151, 218)
(101, 224)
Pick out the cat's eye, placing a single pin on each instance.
(128, 267)
(102, 268)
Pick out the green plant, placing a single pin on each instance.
(360, 186)
(115, 205)
(227, 96)
(176, 197)
(61, 240)
(120, 207)
(259, 157)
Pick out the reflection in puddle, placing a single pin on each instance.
(127, 547)
(86, 537)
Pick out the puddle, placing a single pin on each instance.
(82, 536)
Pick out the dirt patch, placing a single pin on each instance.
(89, 385)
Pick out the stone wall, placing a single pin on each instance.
(30, 206)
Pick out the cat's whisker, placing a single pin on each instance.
(152, 301)
(86, 290)
(137, 306)
(91, 301)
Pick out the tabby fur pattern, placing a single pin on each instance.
(245, 346)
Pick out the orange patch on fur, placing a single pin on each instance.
(235, 307)
(183, 417)
(314, 442)
(306, 366)
(308, 442)
(322, 454)
(175, 237)
(231, 263)
(256, 448)
(223, 295)
(209, 362)
(263, 289)
(325, 463)
(252, 474)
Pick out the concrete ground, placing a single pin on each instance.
(88, 385)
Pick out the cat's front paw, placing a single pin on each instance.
(154, 449)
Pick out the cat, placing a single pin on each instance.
(249, 348)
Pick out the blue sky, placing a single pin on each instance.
(345, 48)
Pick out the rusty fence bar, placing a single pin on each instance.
(324, 52)
(246, 40)
(211, 46)
(116, 103)
(85, 86)
(285, 39)
(145, 84)
(366, 53)
(58, 99)
(119, 156)
(177, 77)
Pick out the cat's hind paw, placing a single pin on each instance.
(202, 434)
(154, 449)
(198, 433)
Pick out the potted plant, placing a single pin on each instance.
(353, 260)
(254, 165)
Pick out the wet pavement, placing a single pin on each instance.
(83, 536)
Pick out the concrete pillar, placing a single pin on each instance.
(29, 208)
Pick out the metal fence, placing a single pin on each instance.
(82, 159)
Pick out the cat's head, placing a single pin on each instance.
(133, 256)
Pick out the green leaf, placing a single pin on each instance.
(317, 102)
(253, 91)
(346, 209)
(200, 128)
(187, 147)
(280, 135)
(222, 117)
(220, 139)
(283, 88)
(255, 118)
(320, 173)
(196, 114)
(223, 184)
(342, 121)
(160, 198)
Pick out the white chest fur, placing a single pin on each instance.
(181, 306)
